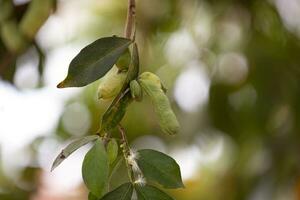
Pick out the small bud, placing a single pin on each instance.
(136, 90)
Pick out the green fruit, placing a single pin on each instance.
(111, 83)
(124, 61)
(136, 90)
(151, 84)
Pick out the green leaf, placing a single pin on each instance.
(117, 109)
(94, 61)
(149, 192)
(73, 146)
(160, 168)
(123, 192)
(95, 169)
(112, 150)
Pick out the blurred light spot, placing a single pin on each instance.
(181, 48)
(245, 97)
(210, 149)
(202, 26)
(259, 162)
(192, 87)
(230, 35)
(188, 160)
(289, 11)
(214, 152)
(20, 2)
(217, 150)
(26, 76)
(232, 68)
(149, 142)
(76, 119)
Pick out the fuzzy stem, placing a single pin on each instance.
(130, 19)
(126, 150)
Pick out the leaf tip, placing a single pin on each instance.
(60, 85)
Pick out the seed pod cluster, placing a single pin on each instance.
(152, 86)
(111, 83)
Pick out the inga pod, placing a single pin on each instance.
(151, 84)
(124, 61)
(35, 16)
(136, 90)
(111, 84)
(13, 39)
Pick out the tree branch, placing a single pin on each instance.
(130, 21)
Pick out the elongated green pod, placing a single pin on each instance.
(111, 84)
(13, 39)
(36, 15)
(151, 84)
(124, 61)
(136, 90)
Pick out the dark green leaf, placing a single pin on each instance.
(149, 192)
(123, 192)
(112, 150)
(160, 168)
(94, 61)
(73, 146)
(95, 169)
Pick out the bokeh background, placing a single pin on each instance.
(232, 69)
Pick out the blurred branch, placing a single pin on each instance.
(130, 19)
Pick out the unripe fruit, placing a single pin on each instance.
(124, 61)
(111, 83)
(152, 86)
(136, 90)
